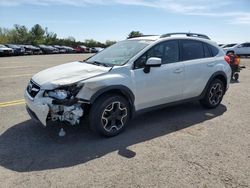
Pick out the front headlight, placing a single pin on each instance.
(58, 94)
(67, 92)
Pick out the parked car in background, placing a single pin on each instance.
(47, 49)
(242, 49)
(55, 50)
(4, 50)
(228, 45)
(69, 49)
(60, 48)
(96, 49)
(82, 49)
(31, 50)
(17, 50)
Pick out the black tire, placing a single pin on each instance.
(109, 115)
(236, 76)
(214, 94)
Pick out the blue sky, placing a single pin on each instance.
(224, 21)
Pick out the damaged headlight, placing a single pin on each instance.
(58, 94)
(66, 92)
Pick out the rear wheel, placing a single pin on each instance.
(109, 115)
(214, 94)
(236, 76)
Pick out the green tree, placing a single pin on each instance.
(134, 34)
(20, 35)
(37, 34)
(109, 43)
(4, 36)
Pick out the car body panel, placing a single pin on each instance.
(66, 74)
(165, 84)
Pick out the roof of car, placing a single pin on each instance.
(166, 36)
(172, 35)
(149, 37)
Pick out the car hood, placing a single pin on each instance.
(66, 74)
(5, 48)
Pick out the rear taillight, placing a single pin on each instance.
(227, 59)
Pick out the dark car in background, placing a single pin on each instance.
(55, 50)
(4, 50)
(47, 49)
(17, 50)
(69, 49)
(61, 49)
(31, 50)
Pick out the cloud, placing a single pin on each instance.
(211, 8)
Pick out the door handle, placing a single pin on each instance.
(210, 64)
(179, 70)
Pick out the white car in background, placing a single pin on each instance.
(5, 50)
(240, 49)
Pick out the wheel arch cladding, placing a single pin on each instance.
(217, 75)
(116, 89)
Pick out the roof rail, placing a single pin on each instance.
(187, 34)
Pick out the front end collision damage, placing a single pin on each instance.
(54, 95)
(52, 104)
(48, 107)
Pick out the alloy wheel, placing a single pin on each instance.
(114, 116)
(215, 94)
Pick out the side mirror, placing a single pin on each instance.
(152, 62)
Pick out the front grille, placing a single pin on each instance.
(33, 89)
(7, 51)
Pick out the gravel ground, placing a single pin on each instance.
(181, 146)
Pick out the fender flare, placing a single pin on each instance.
(214, 75)
(121, 88)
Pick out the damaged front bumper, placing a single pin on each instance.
(46, 109)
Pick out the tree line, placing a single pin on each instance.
(20, 34)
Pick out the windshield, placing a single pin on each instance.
(2, 46)
(119, 53)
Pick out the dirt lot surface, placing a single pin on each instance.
(181, 146)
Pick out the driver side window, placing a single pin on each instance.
(167, 51)
(155, 51)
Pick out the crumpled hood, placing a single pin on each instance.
(66, 74)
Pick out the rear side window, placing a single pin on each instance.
(207, 51)
(246, 45)
(192, 49)
(214, 50)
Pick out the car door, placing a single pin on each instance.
(162, 84)
(199, 65)
(244, 49)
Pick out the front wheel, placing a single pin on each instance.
(214, 94)
(109, 115)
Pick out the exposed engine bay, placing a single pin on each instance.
(60, 104)
(70, 114)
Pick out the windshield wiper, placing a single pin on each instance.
(98, 63)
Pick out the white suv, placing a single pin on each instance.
(240, 49)
(132, 76)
